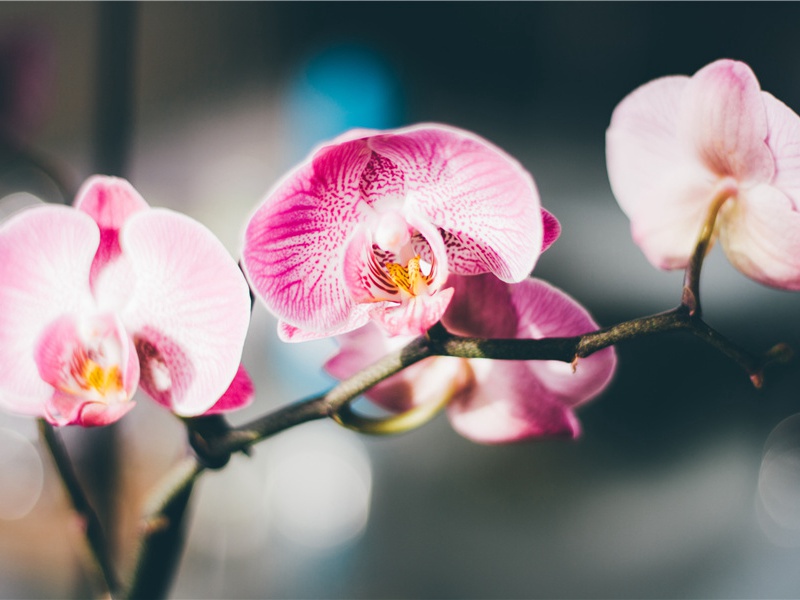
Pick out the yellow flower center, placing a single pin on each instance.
(410, 278)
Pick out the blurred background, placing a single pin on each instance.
(686, 482)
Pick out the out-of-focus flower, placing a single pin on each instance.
(111, 294)
(372, 224)
(679, 146)
(492, 401)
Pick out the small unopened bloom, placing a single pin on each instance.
(112, 295)
(681, 147)
(491, 401)
(373, 223)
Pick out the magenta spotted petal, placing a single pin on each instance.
(679, 145)
(372, 224)
(98, 301)
(492, 401)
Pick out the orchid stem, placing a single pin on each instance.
(164, 532)
(95, 536)
(691, 279)
(440, 342)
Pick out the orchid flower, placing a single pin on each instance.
(109, 295)
(491, 401)
(682, 148)
(371, 225)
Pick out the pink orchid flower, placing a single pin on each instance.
(110, 295)
(491, 401)
(679, 146)
(372, 224)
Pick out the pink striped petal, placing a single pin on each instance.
(109, 201)
(484, 201)
(359, 316)
(760, 233)
(45, 258)
(723, 116)
(189, 312)
(294, 243)
(240, 393)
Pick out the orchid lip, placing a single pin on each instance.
(85, 358)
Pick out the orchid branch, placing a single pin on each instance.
(439, 342)
(163, 532)
(95, 537)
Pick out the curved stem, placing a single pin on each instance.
(95, 536)
(691, 278)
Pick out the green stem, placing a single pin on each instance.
(95, 536)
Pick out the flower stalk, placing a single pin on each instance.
(95, 537)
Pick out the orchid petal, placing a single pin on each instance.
(67, 345)
(643, 150)
(62, 409)
(509, 404)
(45, 259)
(415, 315)
(240, 393)
(512, 401)
(784, 141)
(484, 201)
(665, 194)
(481, 307)
(552, 229)
(358, 317)
(760, 233)
(109, 201)
(294, 242)
(545, 311)
(723, 116)
(189, 312)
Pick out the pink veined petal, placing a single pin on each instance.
(45, 257)
(723, 117)
(294, 242)
(364, 277)
(189, 312)
(358, 317)
(784, 142)
(484, 201)
(545, 311)
(240, 393)
(509, 404)
(552, 229)
(109, 201)
(760, 233)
